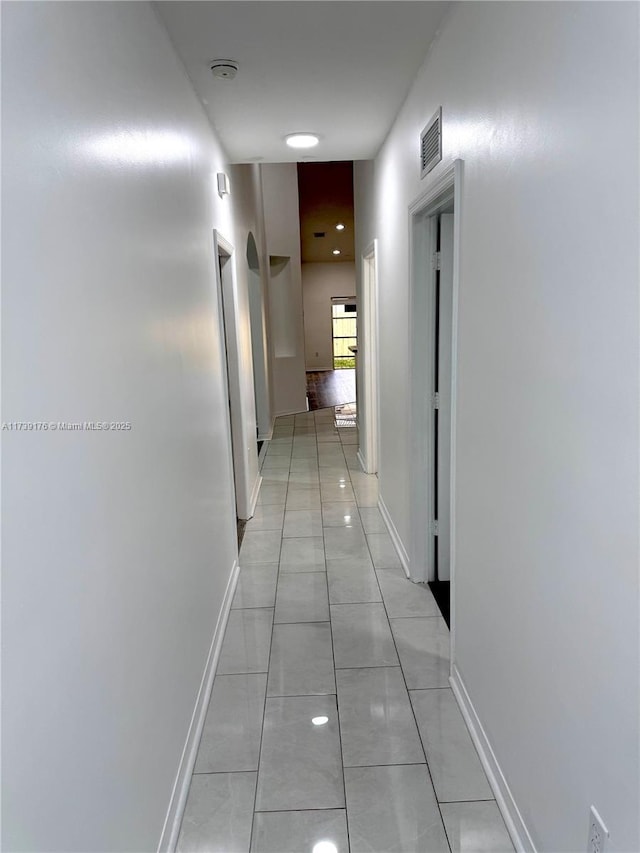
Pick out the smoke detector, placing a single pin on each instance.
(226, 69)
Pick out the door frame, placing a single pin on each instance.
(246, 491)
(441, 189)
(368, 355)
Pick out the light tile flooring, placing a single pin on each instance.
(332, 726)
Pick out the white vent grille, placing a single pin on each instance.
(431, 143)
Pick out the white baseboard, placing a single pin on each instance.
(268, 435)
(263, 453)
(515, 824)
(292, 412)
(360, 458)
(395, 536)
(171, 828)
(254, 495)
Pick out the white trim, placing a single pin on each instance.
(296, 412)
(369, 360)
(254, 495)
(178, 800)
(457, 240)
(436, 186)
(239, 374)
(269, 435)
(395, 536)
(514, 821)
(360, 459)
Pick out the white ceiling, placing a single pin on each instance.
(340, 69)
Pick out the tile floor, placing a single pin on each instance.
(332, 726)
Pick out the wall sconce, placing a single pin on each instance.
(223, 184)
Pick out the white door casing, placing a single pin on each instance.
(368, 411)
(443, 461)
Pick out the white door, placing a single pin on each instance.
(443, 338)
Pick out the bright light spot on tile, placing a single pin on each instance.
(319, 721)
(325, 847)
(343, 486)
(347, 518)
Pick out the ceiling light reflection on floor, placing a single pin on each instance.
(319, 721)
(325, 847)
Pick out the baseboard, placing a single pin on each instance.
(171, 828)
(263, 453)
(268, 435)
(254, 495)
(395, 536)
(292, 412)
(515, 824)
(360, 459)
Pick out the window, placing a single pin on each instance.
(344, 330)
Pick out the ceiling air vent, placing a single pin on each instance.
(431, 143)
(319, 233)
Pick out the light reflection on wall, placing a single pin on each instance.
(140, 147)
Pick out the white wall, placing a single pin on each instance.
(118, 546)
(321, 282)
(282, 234)
(541, 103)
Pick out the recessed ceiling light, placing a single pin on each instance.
(339, 227)
(336, 251)
(302, 140)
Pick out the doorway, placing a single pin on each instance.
(442, 334)
(259, 347)
(434, 284)
(233, 305)
(223, 258)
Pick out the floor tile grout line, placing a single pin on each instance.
(266, 688)
(222, 772)
(273, 623)
(289, 811)
(413, 713)
(333, 657)
(299, 695)
(463, 802)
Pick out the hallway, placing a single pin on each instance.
(180, 292)
(359, 744)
